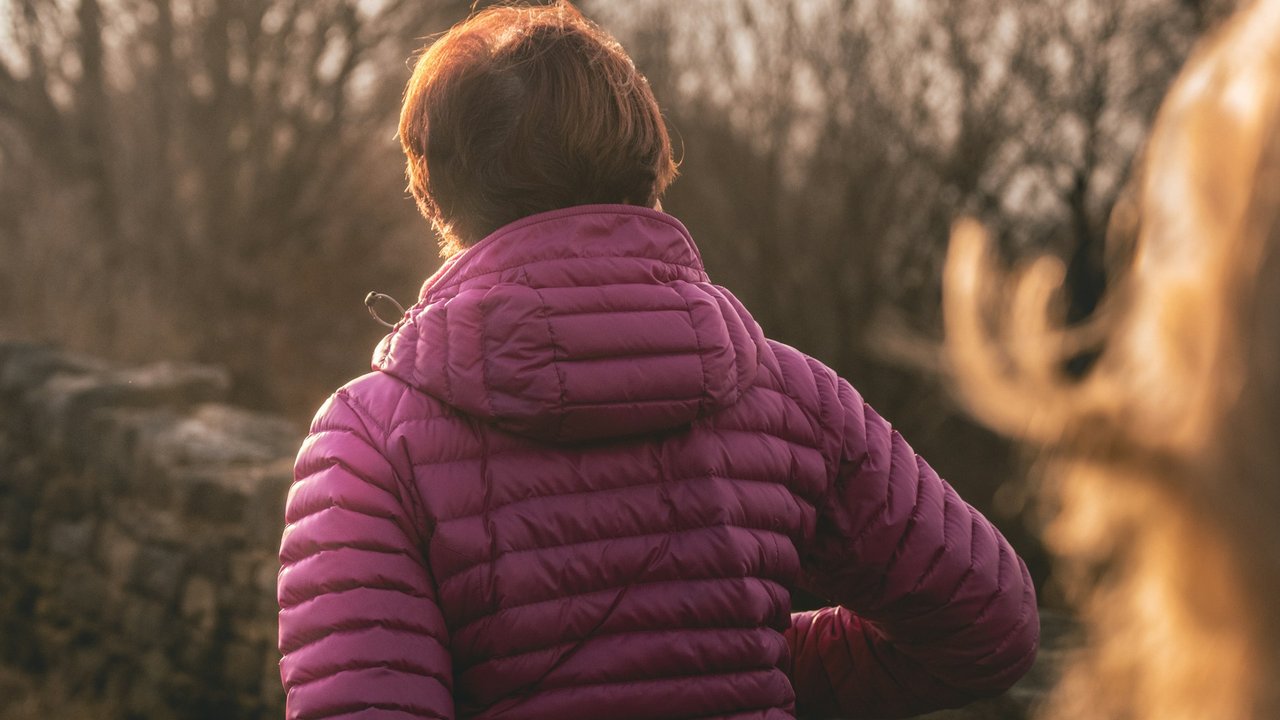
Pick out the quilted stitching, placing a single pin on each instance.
(604, 513)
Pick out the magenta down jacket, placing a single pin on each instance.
(582, 484)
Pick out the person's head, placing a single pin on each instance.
(1163, 460)
(520, 110)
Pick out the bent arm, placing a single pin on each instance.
(936, 609)
(360, 632)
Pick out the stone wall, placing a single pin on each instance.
(139, 521)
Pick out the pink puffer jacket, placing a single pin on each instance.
(582, 484)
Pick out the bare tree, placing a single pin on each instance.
(185, 176)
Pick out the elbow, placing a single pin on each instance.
(992, 654)
(1012, 632)
(1009, 659)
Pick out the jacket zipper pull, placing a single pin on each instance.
(371, 301)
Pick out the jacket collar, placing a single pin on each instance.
(598, 231)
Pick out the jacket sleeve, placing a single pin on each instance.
(935, 608)
(360, 631)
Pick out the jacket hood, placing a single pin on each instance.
(585, 323)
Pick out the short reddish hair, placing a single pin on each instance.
(521, 110)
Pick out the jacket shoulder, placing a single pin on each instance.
(801, 376)
(384, 401)
(812, 386)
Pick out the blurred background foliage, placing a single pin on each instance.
(218, 180)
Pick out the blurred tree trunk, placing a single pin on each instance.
(221, 176)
